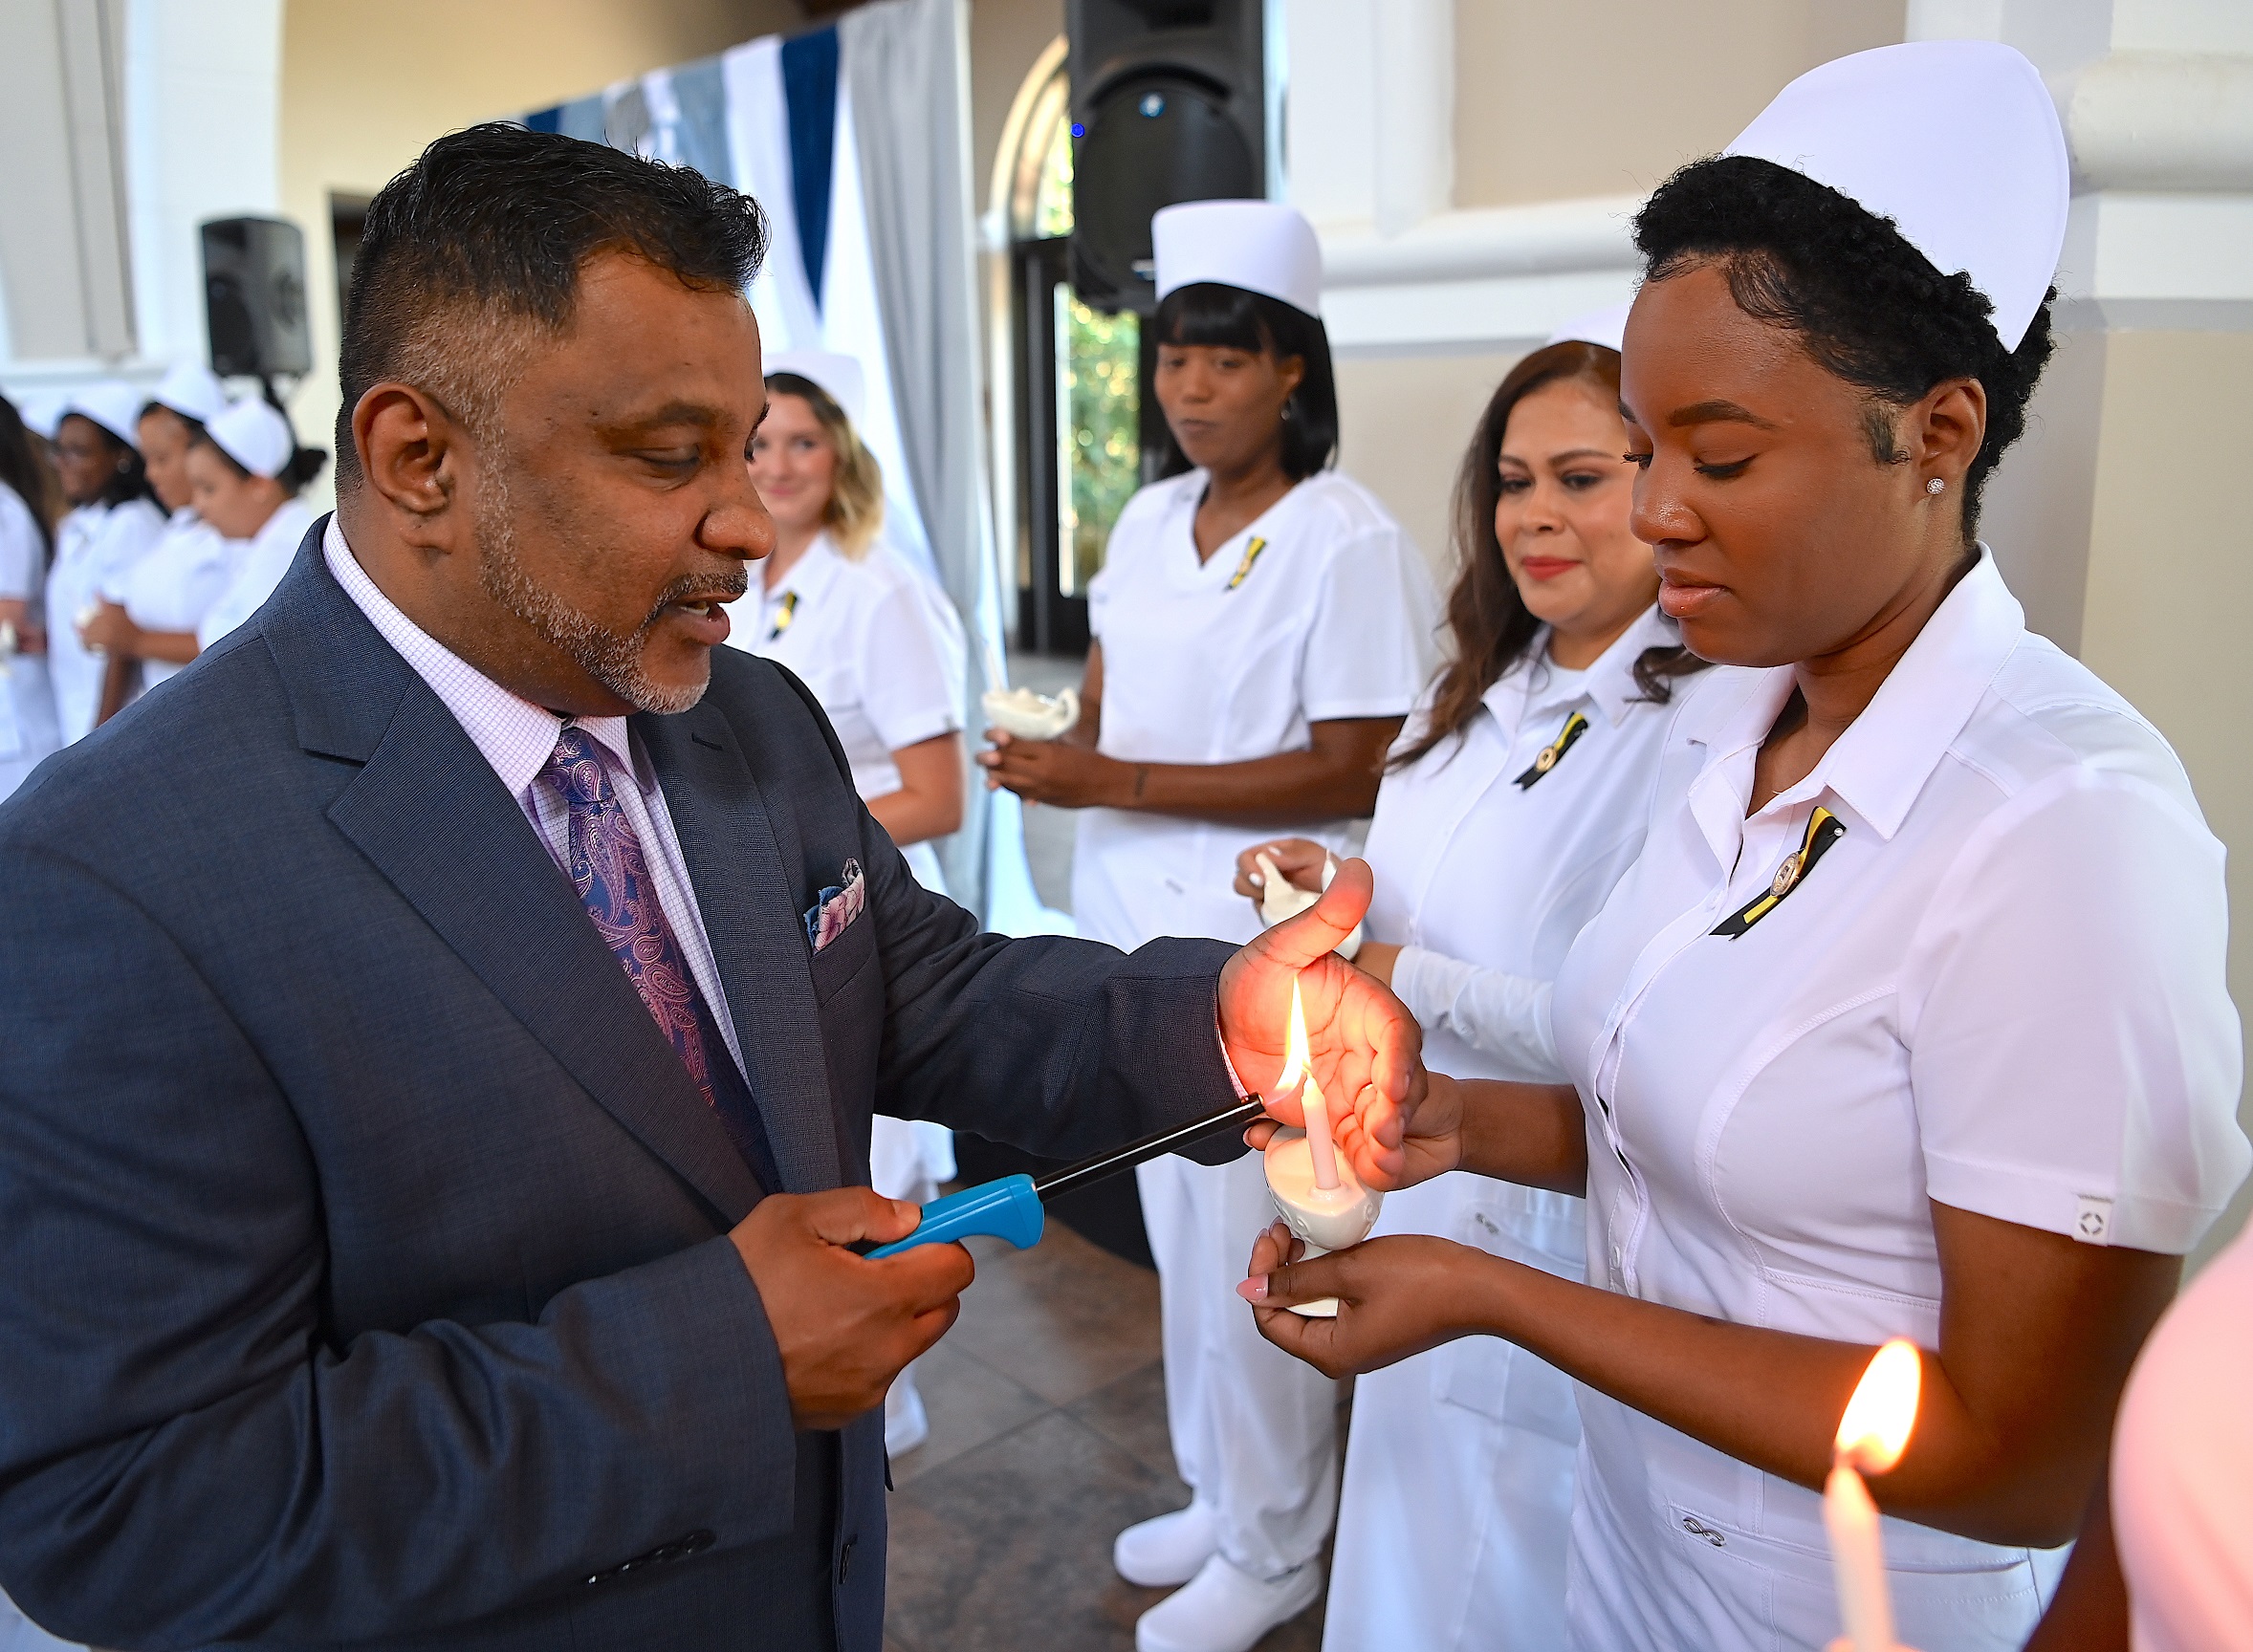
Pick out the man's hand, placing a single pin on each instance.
(845, 1326)
(1396, 1297)
(1058, 771)
(1367, 1051)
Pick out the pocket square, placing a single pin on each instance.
(837, 906)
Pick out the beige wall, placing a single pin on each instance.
(1556, 101)
(2171, 581)
(366, 83)
(1005, 37)
(1405, 422)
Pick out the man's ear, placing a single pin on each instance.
(1943, 433)
(410, 454)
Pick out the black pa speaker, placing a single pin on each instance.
(254, 297)
(1169, 103)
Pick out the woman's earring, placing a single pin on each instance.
(1935, 485)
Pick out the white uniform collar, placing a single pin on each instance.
(1881, 763)
(1609, 679)
(813, 574)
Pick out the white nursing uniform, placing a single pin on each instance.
(27, 706)
(259, 563)
(1322, 609)
(174, 586)
(862, 634)
(2000, 987)
(1489, 860)
(96, 547)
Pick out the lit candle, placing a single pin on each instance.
(1295, 1065)
(1872, 1437)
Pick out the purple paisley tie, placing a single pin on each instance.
(608, 867)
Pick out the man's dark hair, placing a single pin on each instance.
(1869, 306)
(1209, 312)
(477, 247)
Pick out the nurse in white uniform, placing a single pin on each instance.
(147, 621)
(1910, 1019)
(112, 524)
(27, 707)
(246, 471)
(865, 631)
(1513, 802)
(1262, 628)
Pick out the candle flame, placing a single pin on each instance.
(1295, 1059)
(1875, 1430)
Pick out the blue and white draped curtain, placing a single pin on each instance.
(854, 140)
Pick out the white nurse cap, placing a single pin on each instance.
(1259, 246)
(839, 375)
(111, 404)
(1608, 327)
(255, 436)
(1956, 140)
(43, 414)
(190, 391)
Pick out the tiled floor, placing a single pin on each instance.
(1048, 1434)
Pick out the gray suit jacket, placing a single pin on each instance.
(363, 1274)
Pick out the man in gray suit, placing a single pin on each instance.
(443, 1024)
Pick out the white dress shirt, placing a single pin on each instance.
(517, 738)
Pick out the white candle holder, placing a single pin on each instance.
(1024, 715)
(1325, 1218)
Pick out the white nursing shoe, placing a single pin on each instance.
(1159, 1554)
(1222, 1610)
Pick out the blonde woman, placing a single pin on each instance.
(865, 631)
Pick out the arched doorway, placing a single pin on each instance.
(1066, 377)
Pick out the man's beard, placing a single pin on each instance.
(611, 658)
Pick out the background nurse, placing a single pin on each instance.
(1262, 627)
(114, 522)
(1489, 859)
(869, 637)
(1910, 1018)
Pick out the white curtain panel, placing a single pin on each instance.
(905, 73)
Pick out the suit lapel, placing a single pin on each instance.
(731, 834)
(428, 811)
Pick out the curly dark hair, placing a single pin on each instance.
(1489, 624)
(1869, 306)
(480, 242)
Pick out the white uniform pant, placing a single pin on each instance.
(1457, 1503)
(1255, 1431)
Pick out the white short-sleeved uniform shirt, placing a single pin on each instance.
(174, 586)
(94, 549)
(1320, 610)
(2183, 1468)
(862, 635)
(259, 563)
(2000, 987)
(27, 706)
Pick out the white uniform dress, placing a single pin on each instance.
(1322, 609)
(174, 586)
(27, 706)
(1459, 1465)
(863, 635)
(96, 547)
(259, 563)
(2000, 987)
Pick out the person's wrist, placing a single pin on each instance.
(1124, 782)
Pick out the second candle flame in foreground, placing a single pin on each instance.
(1298, 1064)
(1873, 1433)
